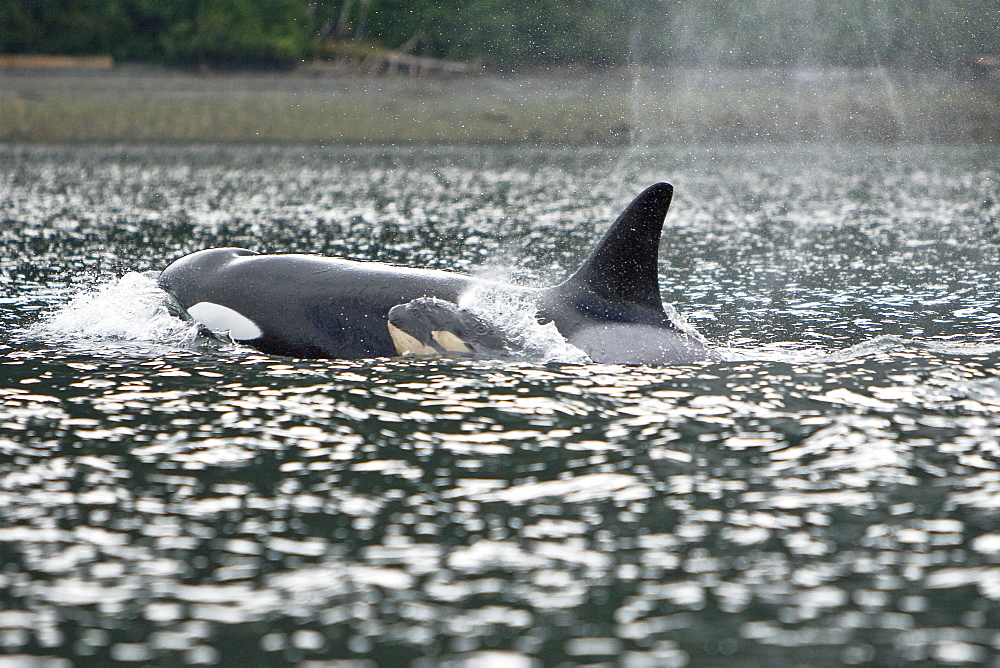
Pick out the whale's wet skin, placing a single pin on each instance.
(314, 306)
(828, 495)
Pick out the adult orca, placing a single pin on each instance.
(321, 307)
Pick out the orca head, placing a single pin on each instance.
(188, 281)
(188, 278)
(429, 326)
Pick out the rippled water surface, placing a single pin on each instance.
(828, 495)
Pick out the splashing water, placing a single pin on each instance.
(514, 314)
(130, 308)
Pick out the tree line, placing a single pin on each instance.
(512, 34)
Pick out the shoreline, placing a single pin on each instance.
(315, 104)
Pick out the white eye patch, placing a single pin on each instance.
(219, 318)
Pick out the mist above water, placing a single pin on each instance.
(811, 33)
(817, 72)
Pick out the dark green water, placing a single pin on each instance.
(829, 495)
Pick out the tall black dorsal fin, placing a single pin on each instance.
(623, 266)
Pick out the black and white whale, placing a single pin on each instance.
(430, 326)
(321, 307)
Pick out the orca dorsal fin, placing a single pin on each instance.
(623, 265)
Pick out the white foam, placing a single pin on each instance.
(130, 308)
(513, 312)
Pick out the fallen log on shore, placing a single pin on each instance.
(383, 62)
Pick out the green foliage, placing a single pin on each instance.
(180, 32)
(235, 32)
(75, 27)
(506, 33)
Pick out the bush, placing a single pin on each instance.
(238, 32)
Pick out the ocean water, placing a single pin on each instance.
(829, 494)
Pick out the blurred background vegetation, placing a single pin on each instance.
(506, 34)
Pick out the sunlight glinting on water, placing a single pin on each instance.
(827, 493)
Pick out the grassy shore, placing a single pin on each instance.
(317, 105)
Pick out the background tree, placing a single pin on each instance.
(512, 34)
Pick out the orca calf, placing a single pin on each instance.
(312, 306)
(429, 326)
